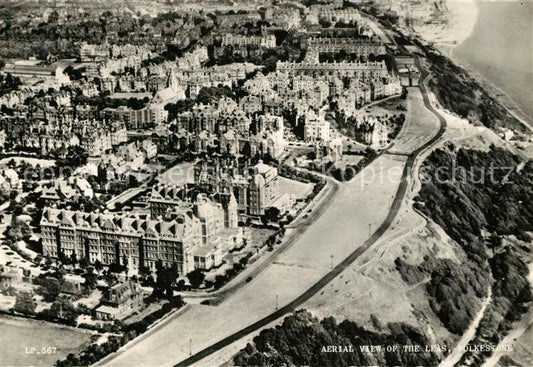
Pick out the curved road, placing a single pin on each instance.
(292, 306)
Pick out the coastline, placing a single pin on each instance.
(462, 18)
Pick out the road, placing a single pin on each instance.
(323, 251)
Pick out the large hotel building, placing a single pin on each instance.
(113, 238)
(189, 234)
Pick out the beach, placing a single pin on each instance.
(462, 18)
(497, 53)
(499, 49)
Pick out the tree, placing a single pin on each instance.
(98, 265)
(110, 278)
(25, 304)
(84, 262)
(272, 214)
(73, 74)
(196, 278)
(74, 258)
(494, 242)
(62, 308)
(125, 263)
(324, 23)
(90, 279)
(166, 276)
(50, 289)
(53, 17)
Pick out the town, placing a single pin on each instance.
(154, 160)
(128, 163)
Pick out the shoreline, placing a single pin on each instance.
(463, 17)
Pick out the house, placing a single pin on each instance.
(120, 301)
(7, 278)
(67, 189)
(208, 256)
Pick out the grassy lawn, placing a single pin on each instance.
(299, 189)
(349, 160)
(387, 107)
(19, 335)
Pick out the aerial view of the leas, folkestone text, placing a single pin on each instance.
(218, 183)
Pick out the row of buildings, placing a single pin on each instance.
(226, 127)
(95, 136)
(192, 233)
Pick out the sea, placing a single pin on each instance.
(500, 49)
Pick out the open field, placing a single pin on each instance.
(299, 189)
(19, 335)
(180, 174)
(386, 107)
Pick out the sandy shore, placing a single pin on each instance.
(462, 19)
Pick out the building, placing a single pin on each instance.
(92, 53)
(263, 189)
(217, 214)
(211, 216)
(132, 240)
(360, 48)
(316, 127)
(268, 41)
(216, 211)
(66, 189)
(346, 15)
(134, 119)
(359, 70)
(255, 187)
(50, 73)
(120, 301)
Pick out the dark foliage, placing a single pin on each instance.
(453, 289)
(300, 339)
(459, 92)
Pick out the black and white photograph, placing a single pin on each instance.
(266, 183)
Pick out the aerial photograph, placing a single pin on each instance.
(219, 183)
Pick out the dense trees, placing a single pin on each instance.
(165, 279)
(105, 102)
(300, 339)
(350, 171)
(50, 289)
(208, 95)
(62, 310)
(469, 193)
(453, 289)
(8, 83)
(465, 188)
